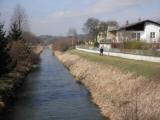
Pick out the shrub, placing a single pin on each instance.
(64, 47)
(134, 45)
(96, 44)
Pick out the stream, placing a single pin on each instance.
(51, 93)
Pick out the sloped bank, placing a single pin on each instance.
(120, 96)
(11, 81)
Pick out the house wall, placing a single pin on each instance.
(111, 36)
(101, 37)
(123, 36)
(150, 27)
(142, 35)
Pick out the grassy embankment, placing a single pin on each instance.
(9, 82)
(148, 69)
(123, 89)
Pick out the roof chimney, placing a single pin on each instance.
(139, 19)
(127, 22)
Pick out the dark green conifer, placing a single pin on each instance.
(15, 32)
(4, 57)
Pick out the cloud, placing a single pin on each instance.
(63, 19)
(97, 7)
(56, 16)
(107, 6)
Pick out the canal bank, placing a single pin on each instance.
(120, 95)
(13, 80)
(51, 93)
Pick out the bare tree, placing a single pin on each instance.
(72, 33)
(113, 23)
(15, 32)
(19, 46)
(20, 18)
(103, 27)
(20, 29)
(91, 27)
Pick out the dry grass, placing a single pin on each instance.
(121, 96)
(148, 69)
(38, 49)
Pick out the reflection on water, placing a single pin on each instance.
(50, 93)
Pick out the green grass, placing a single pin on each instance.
(148, 69)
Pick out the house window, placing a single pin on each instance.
(152, 35)
(136, 36)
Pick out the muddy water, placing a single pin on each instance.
(51, 93)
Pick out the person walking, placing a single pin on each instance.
(101, 51)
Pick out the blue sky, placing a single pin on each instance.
(55, 17)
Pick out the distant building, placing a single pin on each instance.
(106, 37)
(146, 30)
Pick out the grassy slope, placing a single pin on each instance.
(148, 69)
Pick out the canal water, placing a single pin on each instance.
(51, 93)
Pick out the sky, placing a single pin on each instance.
(55, 17)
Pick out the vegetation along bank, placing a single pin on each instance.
(123, 89)
(19, 51)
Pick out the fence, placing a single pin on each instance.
(151, 56)
(154, 53)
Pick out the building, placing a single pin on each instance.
(106, 38)
(146, 30)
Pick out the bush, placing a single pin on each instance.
(32, 57)
(64, 47)
(134, 45)
(96, 44)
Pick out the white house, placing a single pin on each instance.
(147, 31)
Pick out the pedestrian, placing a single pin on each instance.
(101, 51)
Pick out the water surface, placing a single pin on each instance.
(51, 93)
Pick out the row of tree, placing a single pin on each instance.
(15, 44)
